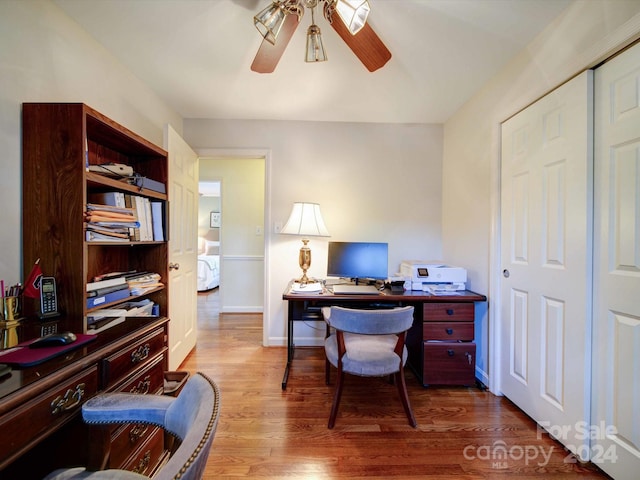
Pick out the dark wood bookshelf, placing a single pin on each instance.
(60, 142)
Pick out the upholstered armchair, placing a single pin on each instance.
(368, 343)
(191, 417)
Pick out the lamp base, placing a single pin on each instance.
(304, 280)
(304, 260)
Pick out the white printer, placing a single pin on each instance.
(433, 276)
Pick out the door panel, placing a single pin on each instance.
(546, 260)
(183, 212)
(616, 346)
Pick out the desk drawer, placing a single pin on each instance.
(145, 460)
(448, 312)
(120, 365)
(449, 363)
(129, 437)
(148, 380)
(42, 415)
(449, 331)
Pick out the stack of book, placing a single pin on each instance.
(140, 284)
(150, 214)
(114, 286)
(101, 320)
(107, 290)
(109, 223)
(143, 308)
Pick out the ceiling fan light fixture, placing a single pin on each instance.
(315, 48)
(353, 13)
(269, 21)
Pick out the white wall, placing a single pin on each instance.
(373, 182)
(586, 33)
(46, 57)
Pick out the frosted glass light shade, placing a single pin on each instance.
(353, 13)
(315, 49)
(270, 20)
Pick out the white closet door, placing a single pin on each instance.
(546, 260)
(616, 346)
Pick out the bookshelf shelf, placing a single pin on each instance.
(100, 182)
(131, 298)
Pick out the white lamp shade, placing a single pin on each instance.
(305, 220)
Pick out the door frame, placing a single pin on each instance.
(265, 154)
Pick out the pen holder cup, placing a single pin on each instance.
(11, 308)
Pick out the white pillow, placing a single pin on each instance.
(211, 247)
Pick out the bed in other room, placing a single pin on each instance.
(209, 266)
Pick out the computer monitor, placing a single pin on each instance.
(358, 260)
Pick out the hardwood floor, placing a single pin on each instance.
(267, 433)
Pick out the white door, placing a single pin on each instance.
(546, 260)
(616, 346)
(183, 252)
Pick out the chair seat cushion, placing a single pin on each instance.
(367, 355)
(80, 473)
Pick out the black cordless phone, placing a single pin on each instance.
(48, 298)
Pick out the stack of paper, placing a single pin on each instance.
(101, 320)
(142, 308)
(315, 287)
(143, 283)
(109, 223)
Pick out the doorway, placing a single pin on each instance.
(241, 220)
(209, 226)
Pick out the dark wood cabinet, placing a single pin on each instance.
(40, 405)
(441, 345)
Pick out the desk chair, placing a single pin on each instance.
(192, 417)
(368, 343)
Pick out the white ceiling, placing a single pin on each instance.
(196, 55)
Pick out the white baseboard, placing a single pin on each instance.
(242, 309)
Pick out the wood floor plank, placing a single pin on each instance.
(266, 433)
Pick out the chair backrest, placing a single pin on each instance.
(193, 417)
(371, 322)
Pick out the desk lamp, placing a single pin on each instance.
(305, 220)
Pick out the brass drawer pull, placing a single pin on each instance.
(70, 400)
(137, 432)
(140, 354)
(143, 386)
(143, 464)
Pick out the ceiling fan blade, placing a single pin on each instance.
(268, 54)
(366, 44)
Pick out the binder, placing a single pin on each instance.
(107, 298)
(158, 221)
(115, 199)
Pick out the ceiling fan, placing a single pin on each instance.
(278, 22)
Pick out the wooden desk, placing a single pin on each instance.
(446, 316)
(40, 405)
